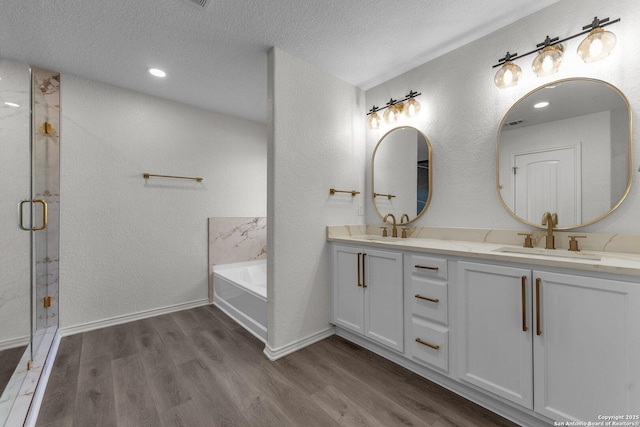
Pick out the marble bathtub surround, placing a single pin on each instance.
(236, 239)
(598, 242)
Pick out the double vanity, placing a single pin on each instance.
(535, 335)
(534, 326)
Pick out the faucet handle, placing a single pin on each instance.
(528, 242)
(573, 243)
(384, 231)
(404, 232)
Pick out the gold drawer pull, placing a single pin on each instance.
(428, 344)
(427, 268)
(436, 300)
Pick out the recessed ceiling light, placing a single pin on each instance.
(157, 72)
(11, 104)
(541, 104)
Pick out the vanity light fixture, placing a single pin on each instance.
(549, 59)
(509, 73)
(156, 72)
(394, 108)
(597, 45)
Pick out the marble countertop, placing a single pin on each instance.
(604, 262)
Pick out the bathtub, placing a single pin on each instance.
(240, 290)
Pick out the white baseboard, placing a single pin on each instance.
(14, 342)
(276, 353)
(118, 320)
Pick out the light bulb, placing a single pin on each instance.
(412, 107)
(507, 75)
(391, 115)
(548, 60)
(374, 120)
(597, 45)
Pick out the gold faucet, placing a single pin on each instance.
(394, 230)
(403, 217)
(550, 221)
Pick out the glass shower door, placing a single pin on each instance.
(29, 232)
(15, 244)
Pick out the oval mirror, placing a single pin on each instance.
(401, 174)
(565, 148)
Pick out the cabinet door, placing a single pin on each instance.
(587, 351)
(384, 298)
(495, 351)
(347, 292)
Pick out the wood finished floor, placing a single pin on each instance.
(199, 368)
(9, 359)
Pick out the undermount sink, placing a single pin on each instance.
(551, 253)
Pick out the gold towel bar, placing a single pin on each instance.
(149, 175)
(333, 191)
(388, 196)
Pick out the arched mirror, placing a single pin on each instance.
(401, 174)
(565, 148)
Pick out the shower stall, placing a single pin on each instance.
(29, 236)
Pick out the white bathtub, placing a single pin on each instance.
(240, 290)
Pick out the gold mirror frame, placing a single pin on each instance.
(630, 156)
(373, 156)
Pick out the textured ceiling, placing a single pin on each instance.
(216, 58)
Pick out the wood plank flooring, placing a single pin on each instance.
(8, 361)
(199, 368)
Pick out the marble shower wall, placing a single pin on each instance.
(236, 239)
(46, 150)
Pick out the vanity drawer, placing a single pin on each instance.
(424, 337)
(429, 298)
(425, 266)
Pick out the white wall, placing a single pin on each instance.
(130, 245)
(316, 141)
(462, 108)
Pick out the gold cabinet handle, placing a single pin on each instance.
(364, 280)
(524, 304)
(538, 329)
(428, 344)
(427, 268)
(436, 300)
(45, 215)
(359, 267)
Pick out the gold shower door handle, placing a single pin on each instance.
(45, 215)
(21, 222)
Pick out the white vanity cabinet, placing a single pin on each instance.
(495, 330)
(566, 346)
(367, 294)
